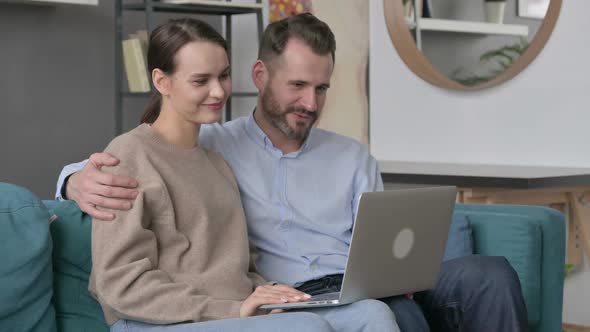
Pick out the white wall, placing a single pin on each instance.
(540, 117)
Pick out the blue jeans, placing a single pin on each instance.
(361, 316)
(474, 293)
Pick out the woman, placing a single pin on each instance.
(181, 253)
(178, 260)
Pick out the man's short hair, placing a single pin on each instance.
(309, 29)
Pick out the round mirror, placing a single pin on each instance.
(467, 44)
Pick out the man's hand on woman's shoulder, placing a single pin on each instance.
(93, 189)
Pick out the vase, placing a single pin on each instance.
(494, 11)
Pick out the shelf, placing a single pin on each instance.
(207, 7)
(435, 24)
(53, 2)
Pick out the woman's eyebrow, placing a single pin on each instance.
(199, 75)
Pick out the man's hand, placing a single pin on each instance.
(270, 295)
(91, 188)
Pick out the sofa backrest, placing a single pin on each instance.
(76, 309)
(26, 269)
(30, 303)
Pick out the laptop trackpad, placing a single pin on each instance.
(325, 297)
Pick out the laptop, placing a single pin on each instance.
(397, 246)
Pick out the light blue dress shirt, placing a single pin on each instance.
(300, 207)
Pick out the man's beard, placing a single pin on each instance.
(277, 117)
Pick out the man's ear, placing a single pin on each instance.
(161, 81)
(260, 74)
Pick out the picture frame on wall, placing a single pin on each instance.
(533, 8)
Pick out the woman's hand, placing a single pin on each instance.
(270, 294)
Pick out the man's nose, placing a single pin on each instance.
(310, 101)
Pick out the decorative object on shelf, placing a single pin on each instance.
(427, 9)
(280, 9)
(533, 8)
(436, 64)
(409, 10)
(424, 9)
(494, 11)
(504, 57)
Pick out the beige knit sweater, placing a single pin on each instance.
(181, 253)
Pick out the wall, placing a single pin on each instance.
(534, 119)
(537, 118)
(346, 110)
(57, 88)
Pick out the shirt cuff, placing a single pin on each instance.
(62, 192)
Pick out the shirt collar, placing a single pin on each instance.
(256, 133)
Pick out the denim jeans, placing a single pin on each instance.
(287, 322)
(361, 316)
(474, 293)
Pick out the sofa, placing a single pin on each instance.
(46, 245)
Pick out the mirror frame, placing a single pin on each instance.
(406, 47)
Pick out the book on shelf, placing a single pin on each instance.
(143, 36)
(135, 63)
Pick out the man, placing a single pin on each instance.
(300, 186)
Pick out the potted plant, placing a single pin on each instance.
(494, 10)
(503, 57)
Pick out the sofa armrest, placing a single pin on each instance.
(532, 238)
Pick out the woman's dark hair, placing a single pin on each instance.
(165, 41)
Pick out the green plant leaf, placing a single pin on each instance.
(504, 57)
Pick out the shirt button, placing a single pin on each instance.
(284, 225)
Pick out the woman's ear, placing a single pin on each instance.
(260, 75)
(161, 81)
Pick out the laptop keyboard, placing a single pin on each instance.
(325, 297)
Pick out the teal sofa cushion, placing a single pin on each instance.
(520, 242)
(460, 241)
(552, 225)
(518, 237)
(76, 309)
(25, 273)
